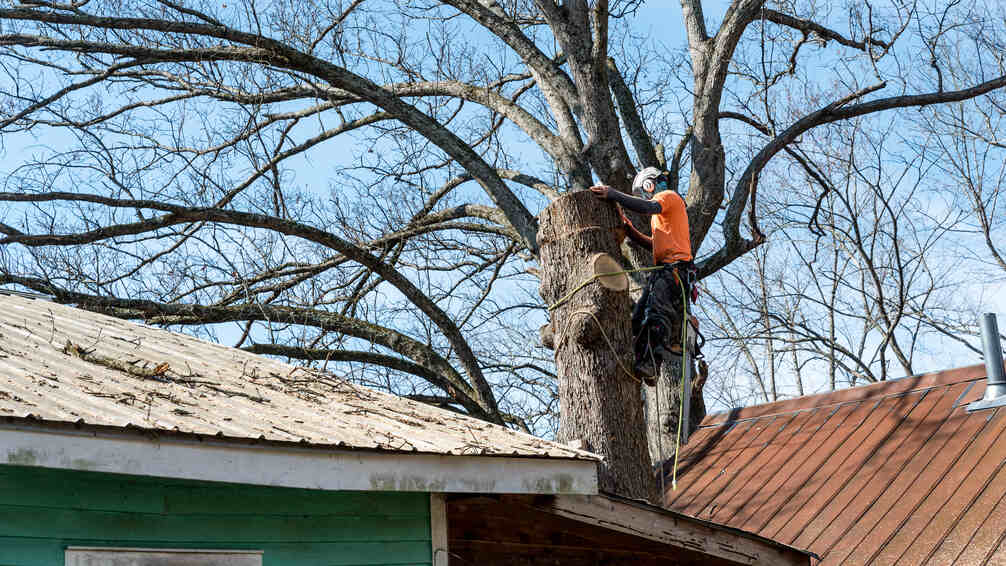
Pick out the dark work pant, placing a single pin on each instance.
(658, 314)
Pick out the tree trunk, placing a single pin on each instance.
(663, 405)
(600, 405)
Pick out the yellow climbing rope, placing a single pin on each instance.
(684, 350)
(595, 277)
(559, 337)
(684, 360)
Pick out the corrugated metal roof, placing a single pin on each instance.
(209, 389)
(891, 473)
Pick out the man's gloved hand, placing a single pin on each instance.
(601, 191)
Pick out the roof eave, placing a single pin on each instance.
(30, 442)
(642, 519)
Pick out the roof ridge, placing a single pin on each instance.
(852, 394)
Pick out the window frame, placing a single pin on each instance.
(120, 556)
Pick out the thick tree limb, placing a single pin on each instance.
(275, 53)
(184, 215)
(571, 25)
(736, 245)
(631, 119)
(808, 26)
(711, 60)
(695, 24)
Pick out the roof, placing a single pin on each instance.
(891, 473)
(63, 364)
(599, 529)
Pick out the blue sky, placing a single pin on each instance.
(661, 21)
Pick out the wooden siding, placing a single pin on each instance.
(597, 530)
(44, 511)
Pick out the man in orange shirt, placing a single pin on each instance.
(658, 317)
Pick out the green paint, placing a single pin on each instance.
(22, 457)
(82, 464)
(395, 482)
(43, 511)
(560, 483)
(383, 482)
(565, 482)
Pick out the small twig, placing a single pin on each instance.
(128, 367)
(52, 321)
(856, 95)
(233, 393)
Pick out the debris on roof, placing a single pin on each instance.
(62, 364)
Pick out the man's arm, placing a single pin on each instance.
(635, 235)
(630, 202)
(634, 204)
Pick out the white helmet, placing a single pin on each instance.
(653, 174)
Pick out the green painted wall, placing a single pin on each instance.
(44, 511)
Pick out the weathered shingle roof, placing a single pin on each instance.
(891, 473)
(196, 387)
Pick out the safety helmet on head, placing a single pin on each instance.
(650, 181)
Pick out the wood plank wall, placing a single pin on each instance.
(44, 511)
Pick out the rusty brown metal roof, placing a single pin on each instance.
(890, 473)
(197, 387)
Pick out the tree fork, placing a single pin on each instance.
(600, 404)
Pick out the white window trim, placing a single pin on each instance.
(125, 556)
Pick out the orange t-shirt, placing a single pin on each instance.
(670, 229)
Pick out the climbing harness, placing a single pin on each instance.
(657, 312)
(685, 284)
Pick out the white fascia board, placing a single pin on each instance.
(438, 529)
(282, 466)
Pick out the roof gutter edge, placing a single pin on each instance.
(182, 456)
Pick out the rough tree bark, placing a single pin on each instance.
(600, 404)
(662, 412)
